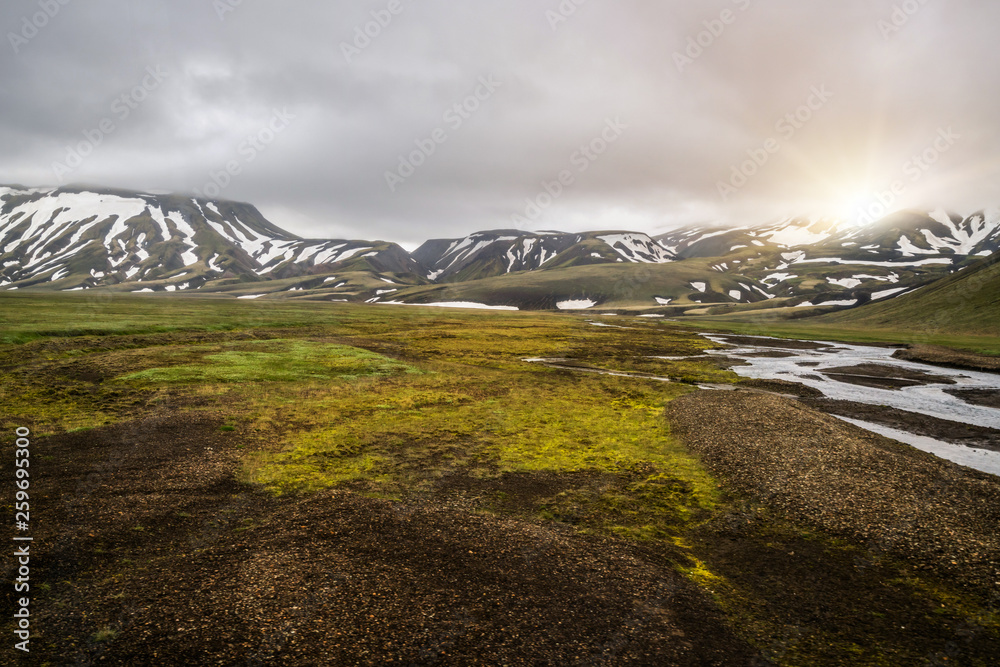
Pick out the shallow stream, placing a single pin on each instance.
(841, 371)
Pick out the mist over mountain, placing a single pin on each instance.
(73, 239)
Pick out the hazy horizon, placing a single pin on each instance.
(444, 120)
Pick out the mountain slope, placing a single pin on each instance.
(71, 238)
(496, 253)
(828, 261)
(967, 302)
(617, 285)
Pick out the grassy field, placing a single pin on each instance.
(610, 285)
(818, 329)
(423, 406)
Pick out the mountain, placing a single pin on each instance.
(793, 263)
(490, 254)
(967, 302)
(74, 239)
(828, 261)
(619, 285)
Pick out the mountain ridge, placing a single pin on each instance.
(81, 237)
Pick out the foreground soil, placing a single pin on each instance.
(818, 470)
(949, 358)
(958, 433)
(537, 515)
(154, 554)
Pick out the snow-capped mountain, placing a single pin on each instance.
(828, 261)
(898, 236)
(70, 238)
(488, 254)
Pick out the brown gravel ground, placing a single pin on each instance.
(784, 343)
(784, 387)
(943, 356)
(817, 470)
(883, 377)
(989, 398)
(153, 554)
(958, 433)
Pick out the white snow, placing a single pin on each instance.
(887, 293)
(251, 296)
(807, 304)
(793, 236)
(701, 287)
(542, 259)
(451, 304)
(853, 262)
(652, 316)
(711, 235)
(305, 254)
(51, 214)
(736, 294)
(793, 257)
(849, 283)
(637, 248)
(580, 304)
(663, 302)
(385, 291)
(332, 257)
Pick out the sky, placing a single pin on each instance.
(405, 120)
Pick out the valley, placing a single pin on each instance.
(276, 480)
(591, 448)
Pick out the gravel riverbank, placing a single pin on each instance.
(820, 471)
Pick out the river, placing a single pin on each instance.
(841, 372)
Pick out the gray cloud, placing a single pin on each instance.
(894, 87)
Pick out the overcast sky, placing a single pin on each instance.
(161, 95)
